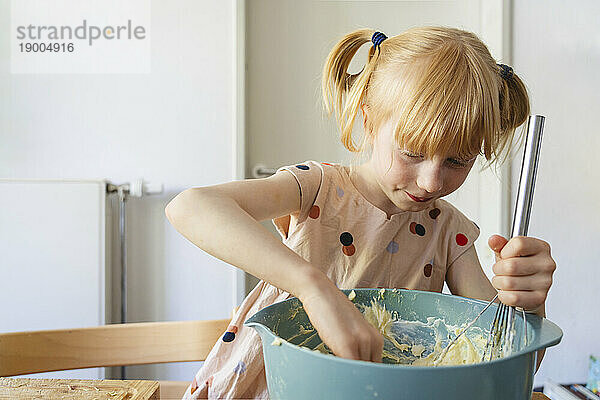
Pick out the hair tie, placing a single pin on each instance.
(506, 72)
(377, 38)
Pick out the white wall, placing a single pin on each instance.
(556, 50)
(175, 126)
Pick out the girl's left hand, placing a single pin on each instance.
(523, 271)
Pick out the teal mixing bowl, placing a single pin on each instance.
(296, 372)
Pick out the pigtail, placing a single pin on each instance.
(336, 82)
(514, 110)
(440, 86)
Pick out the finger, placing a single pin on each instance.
(524, 299)
(496, 243)
(521, 266)
(520, 246)
(364, 348)
(540, 282)
(377, 349)
(347, 349)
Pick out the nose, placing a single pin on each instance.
(430, 177)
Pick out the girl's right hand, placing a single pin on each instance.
(340, 324)
(242, 241)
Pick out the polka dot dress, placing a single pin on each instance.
(356, 245)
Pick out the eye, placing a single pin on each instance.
(457, 163)
(410, 154)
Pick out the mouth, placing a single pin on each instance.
(419, 199)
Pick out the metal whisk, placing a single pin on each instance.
(501, 337)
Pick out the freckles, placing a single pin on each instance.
(453, 181)
(394, 176)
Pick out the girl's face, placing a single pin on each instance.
(411, 181)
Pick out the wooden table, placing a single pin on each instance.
(75, 389)
(72, 389)
(539, 396)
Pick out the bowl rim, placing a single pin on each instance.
(552, 329)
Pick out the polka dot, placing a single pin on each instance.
(228, 337)
(240, 368)
(434, 213)
(461, 239)
(303, 167)
(412, 227)
(346, 238)
(392, 247)
(349, 250)
(340, 191)
(314, 212)
(194, 386)
(420, 230)
(427, 270)
(232, 328)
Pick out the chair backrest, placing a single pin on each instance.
(108, 346)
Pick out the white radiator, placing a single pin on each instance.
(54, 258)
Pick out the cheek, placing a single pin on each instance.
(455, 179)
(393, 172)
(392, 179)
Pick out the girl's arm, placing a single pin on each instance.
(523, 275)
(223, 220)
(465, 277)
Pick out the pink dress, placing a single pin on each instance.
(356, 245)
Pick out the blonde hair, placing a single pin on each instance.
(441, 84)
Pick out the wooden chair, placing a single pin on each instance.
(111, 345)
(114, 345)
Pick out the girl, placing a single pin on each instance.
(432, 99)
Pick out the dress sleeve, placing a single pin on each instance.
(462, 235)
(309, 176)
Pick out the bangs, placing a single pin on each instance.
(447, 107)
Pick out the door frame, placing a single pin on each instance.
(239, 121)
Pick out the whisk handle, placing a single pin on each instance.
(531, 153)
